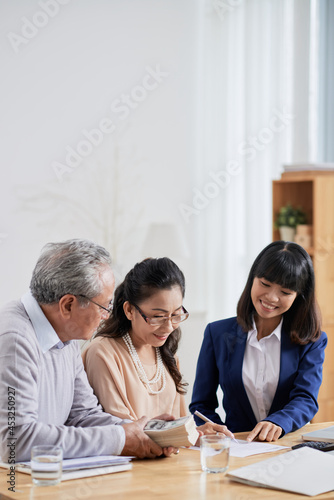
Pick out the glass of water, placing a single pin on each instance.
(215, 452)
(46, 465)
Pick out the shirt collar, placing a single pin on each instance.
(277, 332)
(45, 333)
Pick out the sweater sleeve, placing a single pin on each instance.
(88, 431)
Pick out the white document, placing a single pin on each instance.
(305, 470)
(74, 468)
(240, 448)
(99, 461)
(94, 471)
(87, 462)
(246, 448)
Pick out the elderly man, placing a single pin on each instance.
(44, 393)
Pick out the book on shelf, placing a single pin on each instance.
(74, 468)
(179, 432)
(298, 167)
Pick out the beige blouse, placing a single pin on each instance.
(115, 381)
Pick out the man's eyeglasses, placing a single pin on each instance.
(156, 321)
(107, 309)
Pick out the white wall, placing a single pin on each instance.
(64, 80)
(64, 77)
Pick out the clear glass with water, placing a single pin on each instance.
(215, 453)
(46, 465)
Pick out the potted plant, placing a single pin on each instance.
(287, 219)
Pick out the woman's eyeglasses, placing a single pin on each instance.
(157, 321)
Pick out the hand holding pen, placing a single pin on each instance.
(214, 427)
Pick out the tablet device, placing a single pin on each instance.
(326, 435)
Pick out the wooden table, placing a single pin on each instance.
(177, 477)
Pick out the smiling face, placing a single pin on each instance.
(161, 304)
(270, 300)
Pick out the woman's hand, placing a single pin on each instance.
(212, 428)
(265, 431)
(170, 450)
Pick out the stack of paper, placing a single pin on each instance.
(97, 461)
(74, 468)
(179, 432)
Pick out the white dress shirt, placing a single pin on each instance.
(46, 335)
(260, 370)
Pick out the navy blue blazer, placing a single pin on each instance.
(220, 363)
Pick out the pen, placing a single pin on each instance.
(206, 419)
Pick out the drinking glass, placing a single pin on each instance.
(46, 464)
(215, 452)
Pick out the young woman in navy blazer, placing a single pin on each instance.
(268, 359)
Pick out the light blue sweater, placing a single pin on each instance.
(45, 397)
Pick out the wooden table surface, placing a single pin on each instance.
(176, 477)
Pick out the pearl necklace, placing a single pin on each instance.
(159, 374)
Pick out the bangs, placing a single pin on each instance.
(283, 269)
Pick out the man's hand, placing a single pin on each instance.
(212, 428)
(137, 443)
(265, 431)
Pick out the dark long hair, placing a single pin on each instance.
(290, 266)
(143, 281)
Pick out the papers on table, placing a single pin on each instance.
(245, 448)
(100, 461)
(305, 470)
(74, 468)
(240, 448)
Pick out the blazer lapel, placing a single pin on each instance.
(236, 357)
(288, 353)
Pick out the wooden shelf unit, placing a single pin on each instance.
(314, 192)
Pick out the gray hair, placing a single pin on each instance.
(72, 266)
